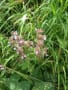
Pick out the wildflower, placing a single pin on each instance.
(1, 67)
(21, 42)
(37, 50)
(18, 43)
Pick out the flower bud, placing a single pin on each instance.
(37, 50)
(21, 42)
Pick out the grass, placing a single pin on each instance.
(30, 74)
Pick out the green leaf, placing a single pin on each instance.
(43, 86)
(13, 83)
(3, 86)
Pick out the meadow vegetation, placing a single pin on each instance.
(47, 71)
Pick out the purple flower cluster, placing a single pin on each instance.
(18, 43)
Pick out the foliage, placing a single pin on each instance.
(23, 16)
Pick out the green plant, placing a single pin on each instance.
(23, 17)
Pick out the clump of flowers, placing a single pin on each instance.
(18, 43)
(40, 49)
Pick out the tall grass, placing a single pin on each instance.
(52, 17)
